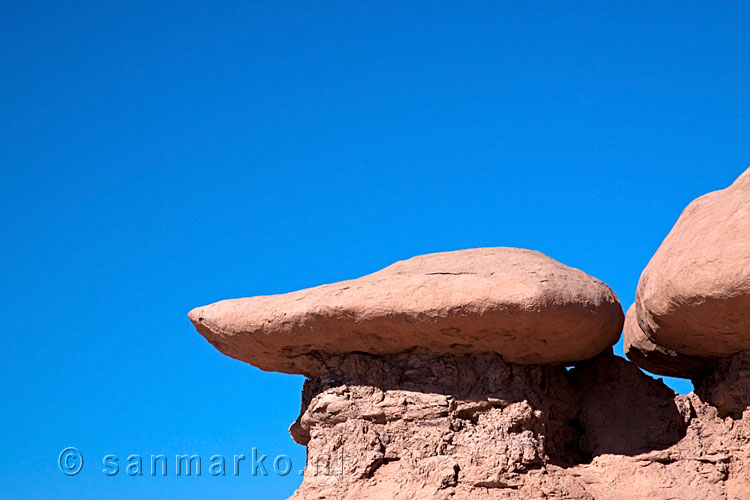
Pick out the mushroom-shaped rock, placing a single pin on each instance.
(693, 298)
(518, 303)
(654, 358)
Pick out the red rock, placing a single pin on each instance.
(416, 426)
(726, 385)
(693, 298)
(654, 358)
(518, 303)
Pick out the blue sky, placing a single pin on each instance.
(157, 157)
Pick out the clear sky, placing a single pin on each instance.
(161, 156)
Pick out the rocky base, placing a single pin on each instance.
(420, 426)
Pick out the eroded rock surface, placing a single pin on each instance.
(726, 384)
(519, 303)
(642, 351)
(416, 426)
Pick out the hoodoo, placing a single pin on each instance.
(489, 374)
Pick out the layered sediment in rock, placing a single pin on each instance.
(650, 356)
(415, 426)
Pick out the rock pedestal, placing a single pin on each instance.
(415, 426)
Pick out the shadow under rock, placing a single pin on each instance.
(726, 385)
(623, 411)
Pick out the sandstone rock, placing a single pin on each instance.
(416, 425)
(726, 384)
(421, 386)
(657, 359)
(623, 411)
(419, 426)
(518, 303)
(693, 298)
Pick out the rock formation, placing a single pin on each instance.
(417, 426)
(489, 374)
(655, 358)
(693, 298)
(519, 303)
